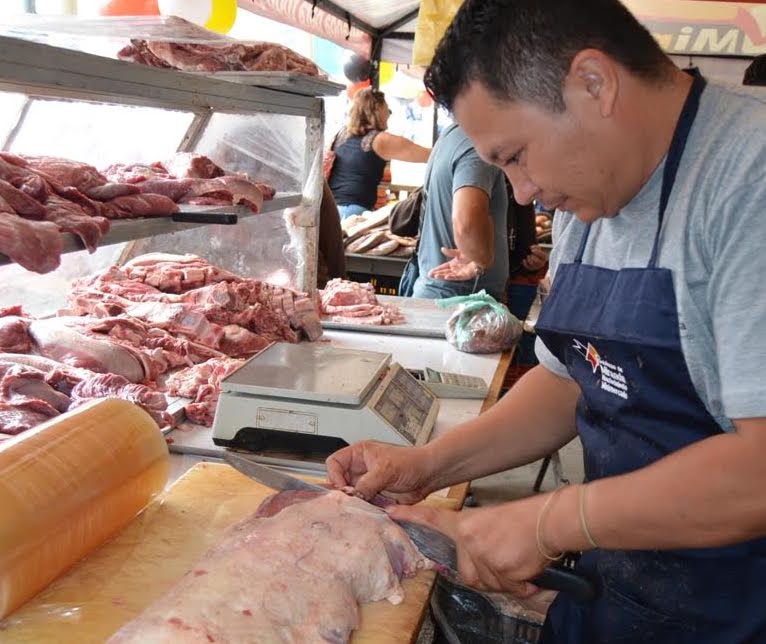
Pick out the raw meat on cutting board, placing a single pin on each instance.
(354, 303)
(297, 576)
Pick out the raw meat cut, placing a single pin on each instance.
(21, 384)
(135, 172)
(193, 166)
(110, 385)
(201, 383)
(210, 56)
(72, 218)
(297, 576)
(15, 419)
(14, 335)
(192, 179)
(354, 303)
(20, 202)
(55, 339)
(140, 205)
(35, 245)
(175, 273)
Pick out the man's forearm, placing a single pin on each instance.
(706, 495)
(472, 225)
(535, 418)
(476, 243)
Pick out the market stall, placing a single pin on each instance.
(152, 297)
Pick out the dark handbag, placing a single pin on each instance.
(404, 219)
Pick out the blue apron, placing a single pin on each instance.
(617, 333)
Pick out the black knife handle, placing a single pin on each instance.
(205, 218)
(567, 581)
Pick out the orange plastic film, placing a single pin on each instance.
(67, 486)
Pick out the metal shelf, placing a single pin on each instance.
(42, 70)
(123, 230)
(375, 264)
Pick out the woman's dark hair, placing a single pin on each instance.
(522, 49)
(755, 74)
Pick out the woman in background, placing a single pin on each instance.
(361, 151)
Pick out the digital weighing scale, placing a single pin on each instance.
(315, 398)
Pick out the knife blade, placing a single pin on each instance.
(269, 476)
(431, 543)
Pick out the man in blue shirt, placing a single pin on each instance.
(464, 230)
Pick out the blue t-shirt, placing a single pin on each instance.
(454, 164)
(713, 239)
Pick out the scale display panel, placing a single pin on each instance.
(404, 404)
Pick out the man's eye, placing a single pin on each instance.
(513, 159)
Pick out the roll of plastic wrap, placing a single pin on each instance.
(67, 486)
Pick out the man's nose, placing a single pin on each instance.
(524, 190)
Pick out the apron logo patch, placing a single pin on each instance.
(612, 378)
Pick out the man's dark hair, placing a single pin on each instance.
(755, 74)
(522, 49)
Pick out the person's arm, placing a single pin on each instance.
(532, 420)
(390, 146)
(472, 226)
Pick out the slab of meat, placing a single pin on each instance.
(61, 377)
(202, 384)
(14, 335)
(135, 172)
(226, 190)
(354, 303)
(110, 385)
(56, 339)
(15, 419)
(145, 204)
(20, 384)
(297, 576)
(35, 245)
(193, 166)
(209, 56)
(20, 202)
(176, 273)
(72, 218)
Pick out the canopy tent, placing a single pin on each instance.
(385, 29)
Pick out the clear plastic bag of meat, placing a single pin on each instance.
(481, 324)
(158, 41)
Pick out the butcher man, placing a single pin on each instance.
(651, 342)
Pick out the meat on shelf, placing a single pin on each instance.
(42, 197)
(158, 324)
(354, 303)
(197, 50)
(296, 571)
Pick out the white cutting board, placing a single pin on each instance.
(422, 318)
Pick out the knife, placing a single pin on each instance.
(431, 543)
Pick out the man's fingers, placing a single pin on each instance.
(369, 484)
(338, 465)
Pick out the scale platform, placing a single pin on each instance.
(315, 398)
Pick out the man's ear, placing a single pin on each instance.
(593, 80)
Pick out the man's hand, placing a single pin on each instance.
(457, 269)
(496, 546)
(400, 473)
(535, 260)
